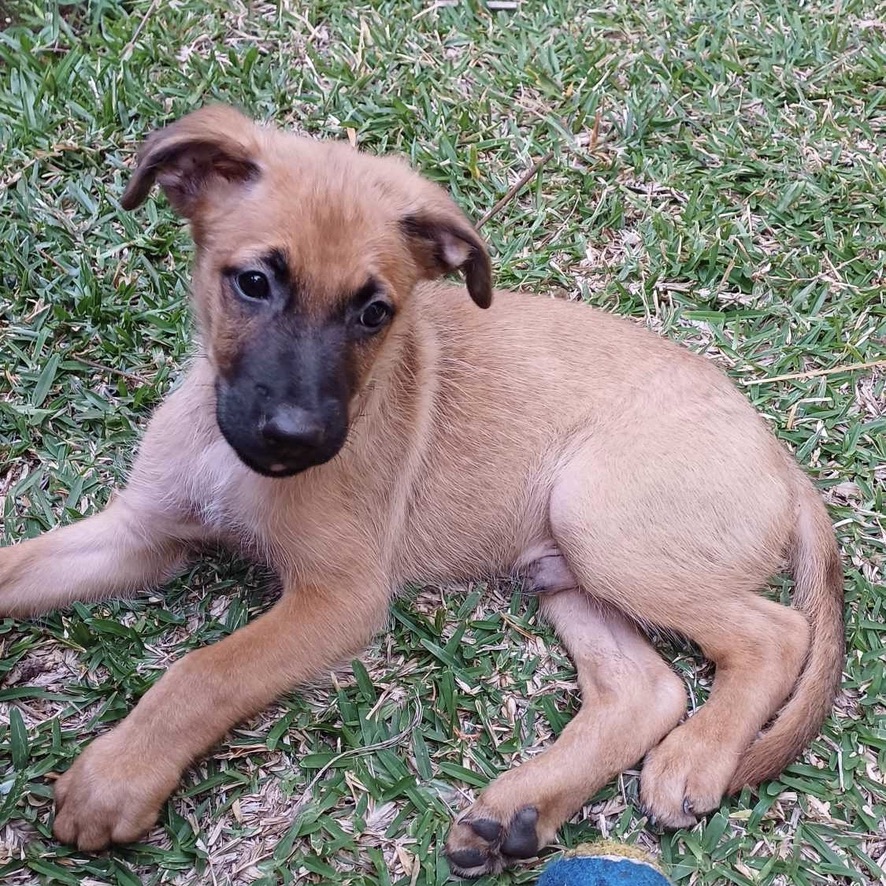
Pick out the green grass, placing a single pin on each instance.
(718, 173)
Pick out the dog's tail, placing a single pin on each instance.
(818, 593)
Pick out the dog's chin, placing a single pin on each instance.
(277, 470)
(275, 464)
(279, 467)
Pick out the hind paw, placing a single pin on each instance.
(683, 779)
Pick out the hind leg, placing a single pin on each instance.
(671, 562)
(630, 700)
(758, 648)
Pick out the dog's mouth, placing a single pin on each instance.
(281, 442)
(273, 464)
(276, 460)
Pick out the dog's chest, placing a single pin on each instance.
(222, 493)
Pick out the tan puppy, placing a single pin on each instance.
(356, 427)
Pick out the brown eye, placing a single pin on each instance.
(376, 314)
(253, 284)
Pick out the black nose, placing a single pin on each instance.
(295, 427)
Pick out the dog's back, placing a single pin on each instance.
(508, 394)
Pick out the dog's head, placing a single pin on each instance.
(306, 253)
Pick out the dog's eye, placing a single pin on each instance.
(253, 284)
(375, 315)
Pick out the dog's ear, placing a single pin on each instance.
(442, 240)
(216, 143)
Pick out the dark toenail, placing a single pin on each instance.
(486, 828)
(466, 858)
(688, 808)
(522, 839)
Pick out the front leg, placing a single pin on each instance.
(126, 547)
(114, 791)
(140, 540)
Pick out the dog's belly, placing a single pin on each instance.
(468, 529)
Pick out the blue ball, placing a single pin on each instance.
(596, 871)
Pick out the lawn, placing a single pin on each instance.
(716, 171)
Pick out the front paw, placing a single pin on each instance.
(112, 793)
(486, 840)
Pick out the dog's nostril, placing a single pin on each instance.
(292, 426)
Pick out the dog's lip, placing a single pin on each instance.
(276, 465)
(277, 470)
(272, 467)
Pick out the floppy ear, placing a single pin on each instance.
(442, 240)
(187, 157)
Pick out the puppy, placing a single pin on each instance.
(356, 425)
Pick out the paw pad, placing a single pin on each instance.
(482, 845)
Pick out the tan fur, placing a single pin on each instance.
(481, 443)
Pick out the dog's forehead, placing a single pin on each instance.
(328, 221)
(329, 212)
